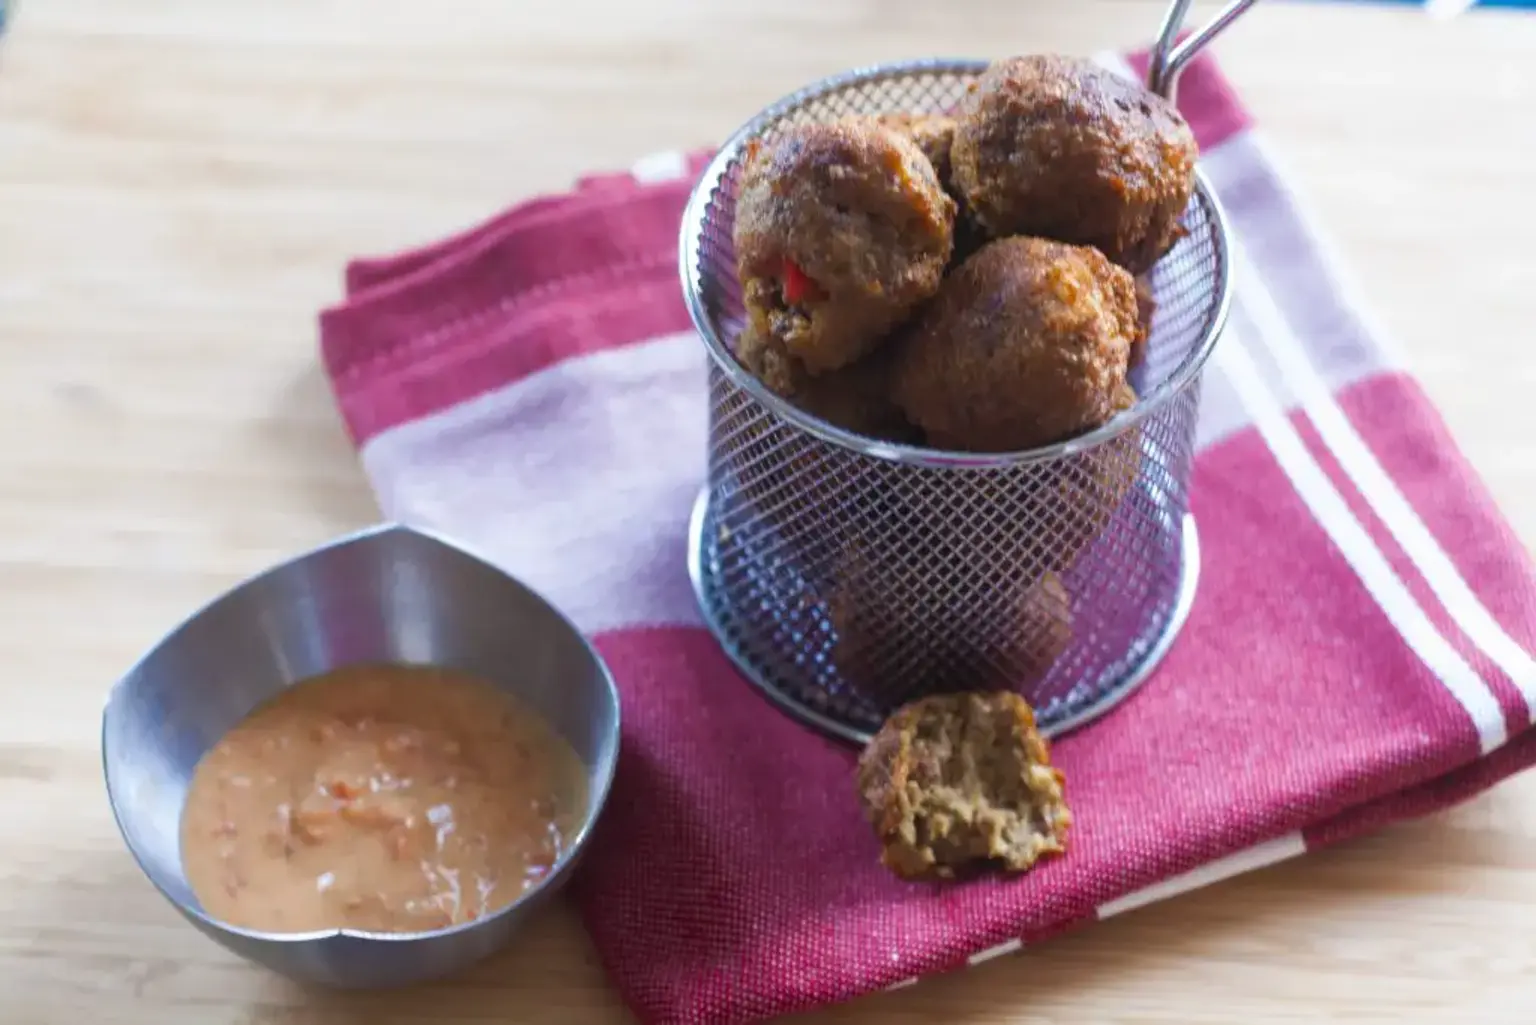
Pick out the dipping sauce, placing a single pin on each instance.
(381, 798)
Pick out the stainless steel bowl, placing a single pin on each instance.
(389, 594)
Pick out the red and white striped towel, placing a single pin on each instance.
(1358, 651)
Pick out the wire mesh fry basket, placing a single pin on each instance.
(847, 576)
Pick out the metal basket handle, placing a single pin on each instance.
(1170, 57)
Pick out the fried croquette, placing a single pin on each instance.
(1026, 344)
(856, 397)
(1075, 508)
(933, 133)
(958, 784)
(1146, 307)
(842, 229)
(947, 639)
(1061, 148)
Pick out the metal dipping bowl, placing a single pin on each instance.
(389, 594)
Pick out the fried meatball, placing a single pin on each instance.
(1027, 343)
(856, 397)
(1146, 306)
(933, 134)
(842, 229)
(1061, 148)
(791, 481)
(1079, 498)
(962, 783)
(969, 238)
(1005, 629)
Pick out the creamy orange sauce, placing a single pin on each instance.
(381, 798)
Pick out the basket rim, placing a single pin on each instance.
(692, 228)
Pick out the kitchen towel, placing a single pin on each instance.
(1358, 651)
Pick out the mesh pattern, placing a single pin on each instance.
(849, 581)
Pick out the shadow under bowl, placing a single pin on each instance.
(391, 594)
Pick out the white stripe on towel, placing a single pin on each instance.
(1255, 857)
(601, 536)
(660, 167)
(1375, 485)
(1001, 950)
(1324, 259)
(1334, 516)
(1252, 299)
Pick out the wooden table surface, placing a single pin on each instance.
(180, 183)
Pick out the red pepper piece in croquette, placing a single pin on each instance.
(871, 244)
(798, 286)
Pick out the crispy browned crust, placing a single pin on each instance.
(860, 210)
(933, 134)
(937, 820)
(1061, 148)
(1146, 306)
(1026, 344)
(856, 397)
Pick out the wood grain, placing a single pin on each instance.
(180, 183)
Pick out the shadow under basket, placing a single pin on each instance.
(846, 577)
